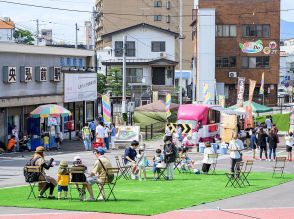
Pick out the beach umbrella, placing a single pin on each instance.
(52, 110)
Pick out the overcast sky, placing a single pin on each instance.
(63, 23)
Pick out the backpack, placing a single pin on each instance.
(31, 177)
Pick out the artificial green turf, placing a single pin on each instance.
(150, 197)
(281, 120)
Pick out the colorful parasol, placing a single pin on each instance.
(52, 110)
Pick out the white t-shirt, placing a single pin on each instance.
(100, 131)
(289, 140)
(268, 123)
(234, 147)
(167, 131)
(15, 133)
(205, 158)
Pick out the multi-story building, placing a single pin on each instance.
(46, 36)
(237, 38)
(150, 58)
(35, 75)
(7, 28)
(116, 14)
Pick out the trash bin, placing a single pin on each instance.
(35, 142)
(214, 146)
(223, 149)
(201, 147)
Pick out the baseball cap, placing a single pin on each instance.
(100, 150)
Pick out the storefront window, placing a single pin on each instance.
(14, 118)
(90, 111)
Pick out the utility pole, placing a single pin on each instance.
(124, 75)
(193, 80)
(94, 17)
(38, 32)
(77, 29)
(181, 50)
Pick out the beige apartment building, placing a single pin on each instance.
(117, 14)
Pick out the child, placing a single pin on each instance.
(157, 159)
(63, 179)
(141, 161)
(46, 142)
(187, 162)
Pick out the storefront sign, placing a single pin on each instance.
(41, 73)
(240, 91)
(26, 74)
(55, 74)
(80, 87)
(251, 47)
(9, 74)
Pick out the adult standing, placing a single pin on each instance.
(179, 134)
(106, 136)
(169, 152)
(253, 143)
(206, 162)
(289, 144)
(86, 135)
(92, 127)
(268, 123)
(39, 160)
(15, 132)
(235, 148)
(168, 133)
(262, 143)
(99, 173)
(113, 135)
(100, 132)
(272, 143)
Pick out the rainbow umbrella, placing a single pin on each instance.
(52, 110)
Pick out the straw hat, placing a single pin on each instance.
(40, 149)
(63, 163)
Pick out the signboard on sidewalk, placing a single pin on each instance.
(126, 134)
(80, 87)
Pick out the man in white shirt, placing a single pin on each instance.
(100, 130)
(235, 148)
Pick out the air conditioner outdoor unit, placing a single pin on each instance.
(233, 74)
(162, 55)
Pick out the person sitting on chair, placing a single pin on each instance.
(206, 162)
(99, 172)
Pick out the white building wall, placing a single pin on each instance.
(6, 35)
(143, 36)
(205, 53)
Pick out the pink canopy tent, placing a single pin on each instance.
(193, 112)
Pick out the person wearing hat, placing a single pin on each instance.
(169, 152)
(39, 160)
(63, 179)
(99, 173)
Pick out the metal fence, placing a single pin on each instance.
(154, 130)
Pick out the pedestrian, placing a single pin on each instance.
(235, 148)
(113, 135)
(46, 141)
(170, 152)
(268, 123)
(272, 143)
(58, 140)
(16, 137)
(86, 136)
(179, 135)
(106, 136)
(262, 143)
(63, 179)
(11, 144)
(168, 133)
(253, 143)
(142, 163)
(289, 144)
(100, 133)
(99, 173)
(92, 127)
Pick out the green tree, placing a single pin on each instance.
(24, 37)
(101, 83)
(114, 82)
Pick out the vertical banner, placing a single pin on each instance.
(206, 94)
(155, 96)
(221, 100)
(106, 109)
(248, 123)
(167, 105)
(240, 91)
(261, 91)
(251, 89)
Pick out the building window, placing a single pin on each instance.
(118, 48)
(157, 4)
(157, 17)
(226, 30)
(130, 49)
(158, 46)
(226, 62)
(255, 62)
(168, 19)
(134, 75)
(256, 30)
(168, 5)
